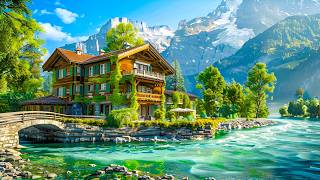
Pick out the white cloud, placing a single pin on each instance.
(35, 11)
(66, 16)
(58, 3)
(44, 11)
(55, 33)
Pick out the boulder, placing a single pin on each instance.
(51, 175)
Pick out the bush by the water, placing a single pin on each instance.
(301, 108)
(121, 117)
(179, 123)
(91, 122)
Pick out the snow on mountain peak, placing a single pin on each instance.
(158, 36)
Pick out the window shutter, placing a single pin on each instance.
(108, 67)
(71, 71)
(81, 90)
(96, 69)
(97, 88)
(86, 73)
(64, 91)
(71, 90)
(108, 89)
(86, 89)
(57, 74)
(64, 72)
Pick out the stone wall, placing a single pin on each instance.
(75, 133)
(9, 133)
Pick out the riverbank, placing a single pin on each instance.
(152, 131)
(12, 166)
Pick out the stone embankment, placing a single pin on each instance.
(75, 133)
(244, 124)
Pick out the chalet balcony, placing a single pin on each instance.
(146, 74)
(148, 97)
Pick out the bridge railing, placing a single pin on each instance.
(13, 117)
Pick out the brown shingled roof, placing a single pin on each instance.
(73, 56)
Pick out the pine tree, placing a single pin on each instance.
(176, 81)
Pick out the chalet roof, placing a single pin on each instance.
(68, 55)
(88, 59)
(47, 100)
(169, 93)
(131, 51)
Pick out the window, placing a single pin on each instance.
(78, 70)
(60, 91)
(61, 74)
(78, 88)
(91, 71)
(91, 88)
(102, 68)
(103, 87)
(142, 67)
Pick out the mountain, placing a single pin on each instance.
(290, 48)
(159, 36)
(205, 40)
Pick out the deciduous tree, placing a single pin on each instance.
(260, 82)
(122, 36)
(212, 84)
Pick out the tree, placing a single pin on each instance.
(284, 111)
(313, 107)
(260, 82)
(20, 52)
(122, 37)
(212, 85)
(297, 108)
(176, 81)
(233, 99)
(299, 93)
(247, 106)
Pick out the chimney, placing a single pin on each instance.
(101, 52)
(78, 51)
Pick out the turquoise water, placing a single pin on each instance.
(290, 150)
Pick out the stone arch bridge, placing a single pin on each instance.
(12, 123)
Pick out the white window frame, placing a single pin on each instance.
(102, 68)
(61, 74)
(91, 88)
(60, 91)
(103, 87)
(77, 88)
(78, 70)
(91, 71)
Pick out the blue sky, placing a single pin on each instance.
(67, 21)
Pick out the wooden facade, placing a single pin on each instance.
(76, 74)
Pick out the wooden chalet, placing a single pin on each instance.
(74, 75)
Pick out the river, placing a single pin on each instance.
(289, 149)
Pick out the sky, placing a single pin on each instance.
(67, 21)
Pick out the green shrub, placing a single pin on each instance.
(121, 117)
(91, 122)
(179, 123)
(158, 114)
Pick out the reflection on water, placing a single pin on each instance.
(290, 149)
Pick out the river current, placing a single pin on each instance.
(289, 150)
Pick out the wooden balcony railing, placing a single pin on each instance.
(148, 74)
(149, 97)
